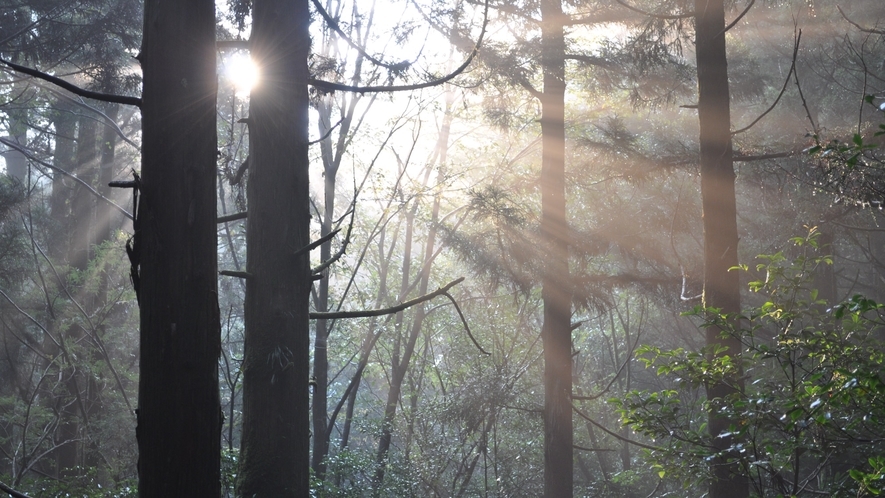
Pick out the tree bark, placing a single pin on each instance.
(275, 448)
(555, 293)
(179, 414)
(721, 286)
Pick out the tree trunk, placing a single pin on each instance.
(275, 448)
(556, 332)
(179, 413)
(721, 286)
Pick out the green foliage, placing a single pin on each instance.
(811, 406)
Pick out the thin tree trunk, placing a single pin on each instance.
(179, 413)
(275, 447)
(721, 286)
(556, 332)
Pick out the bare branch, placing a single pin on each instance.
(858, 26)
(329, 315)
(330, 86)
(332, 23)
(104, 97)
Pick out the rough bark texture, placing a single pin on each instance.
(556, 333)
(274, 457)
(721, 286)
(179, 417)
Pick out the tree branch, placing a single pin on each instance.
(656, 16)
(330, 86)
(232, 217)
(104, 97)
(858, 26)
(330, 315)
(738, 18)
(332, 23)
(313, 245)
(12, 492)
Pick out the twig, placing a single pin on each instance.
(104, 97)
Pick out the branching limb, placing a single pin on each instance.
(332, 23)
(330, 315)
(330, 86)
(104, 97)
(858, 26)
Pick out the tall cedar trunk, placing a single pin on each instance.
(179, 413)
(721, 286)
(556, 333)
(275, 451)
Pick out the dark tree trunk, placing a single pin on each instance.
(556, 333)
(275, 450)
(721, 286)
(179, 413)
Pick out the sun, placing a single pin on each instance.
(241, 72)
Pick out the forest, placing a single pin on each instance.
(447, 248)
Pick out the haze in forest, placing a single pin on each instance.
(607, 248)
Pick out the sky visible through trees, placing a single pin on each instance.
(608, 248)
